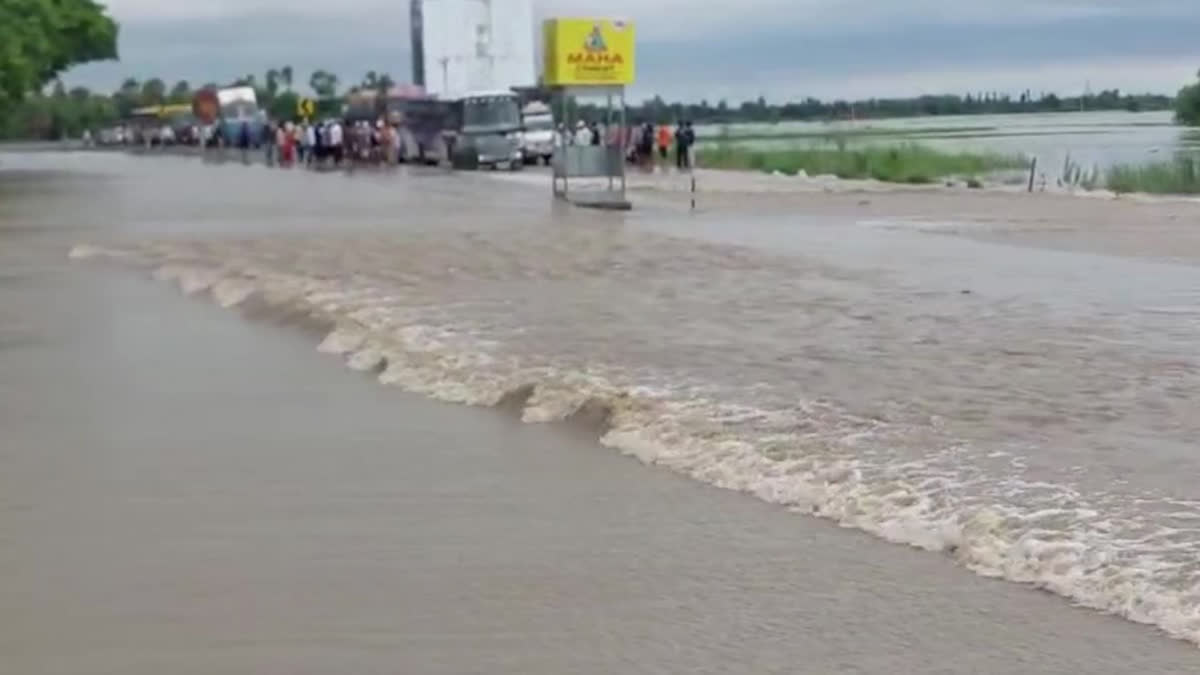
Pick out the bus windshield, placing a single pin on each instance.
(237, 110)
(492, 112)
(539, 123)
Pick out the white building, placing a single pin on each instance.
(471, 45)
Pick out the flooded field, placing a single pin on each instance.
(1090, 138)
(938, 422)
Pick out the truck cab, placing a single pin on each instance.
(538, 134)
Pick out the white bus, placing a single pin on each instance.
(484, 130)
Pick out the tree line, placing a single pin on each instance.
(56, 111)
(53, 113)
(811, 109)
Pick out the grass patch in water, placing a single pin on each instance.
(1180, 176)
(910, 163)
(845, 133)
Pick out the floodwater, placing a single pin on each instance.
(191, 489)
(1088, 139)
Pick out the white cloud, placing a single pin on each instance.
(691, 50)
(684, 19)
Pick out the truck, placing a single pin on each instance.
(538, 136)
(238, 108)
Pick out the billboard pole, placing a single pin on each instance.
(416, 10)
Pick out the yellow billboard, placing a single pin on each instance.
(588, 52)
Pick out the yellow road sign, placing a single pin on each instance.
(306, 107)
(583, 52)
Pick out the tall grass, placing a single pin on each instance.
(1180, 176)
(909, 163)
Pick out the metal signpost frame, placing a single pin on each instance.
(605, 160)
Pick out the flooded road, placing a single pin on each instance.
(183, 489)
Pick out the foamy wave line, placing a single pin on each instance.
(907, 503)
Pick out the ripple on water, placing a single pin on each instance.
(966, 427)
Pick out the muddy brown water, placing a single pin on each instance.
(189, 489)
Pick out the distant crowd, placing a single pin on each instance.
(309, 143)
(339, 141)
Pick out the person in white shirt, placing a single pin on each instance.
(396, 144)
(309, 142)
(583, 135)
(335, 141)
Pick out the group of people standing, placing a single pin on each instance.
(333, 142)
(661, 138)
(642, 142)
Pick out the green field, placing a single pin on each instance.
(841, 135)
(908, 163)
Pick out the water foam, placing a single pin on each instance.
(812, 458)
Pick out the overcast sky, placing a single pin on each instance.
(692, 49)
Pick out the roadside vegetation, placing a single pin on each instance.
(842, 135)
(909, 163)
(39, 39)
(1180, 176)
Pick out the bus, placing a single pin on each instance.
(421, 120)
(484, 130)
(423, 123)
(161, 124)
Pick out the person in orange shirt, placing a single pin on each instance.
(664, 141)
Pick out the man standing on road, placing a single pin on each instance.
(685, 137)
(269, 132)
(335, 142)
(689, 136)
(244, 142)
(680, 151)
(310, 142)
(664, 142)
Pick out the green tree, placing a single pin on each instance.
(1187, 104)
(285, 74)
(39, 39)
(272, 87)
(181, 92)
(128, 96)
(384, 83)
(324, 83)
(154, 92)
(284, 106)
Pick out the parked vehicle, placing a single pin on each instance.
(422, 122)
(112, 136)
(420, 119)
(484, 130)
(239, 106)
(538, 136)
